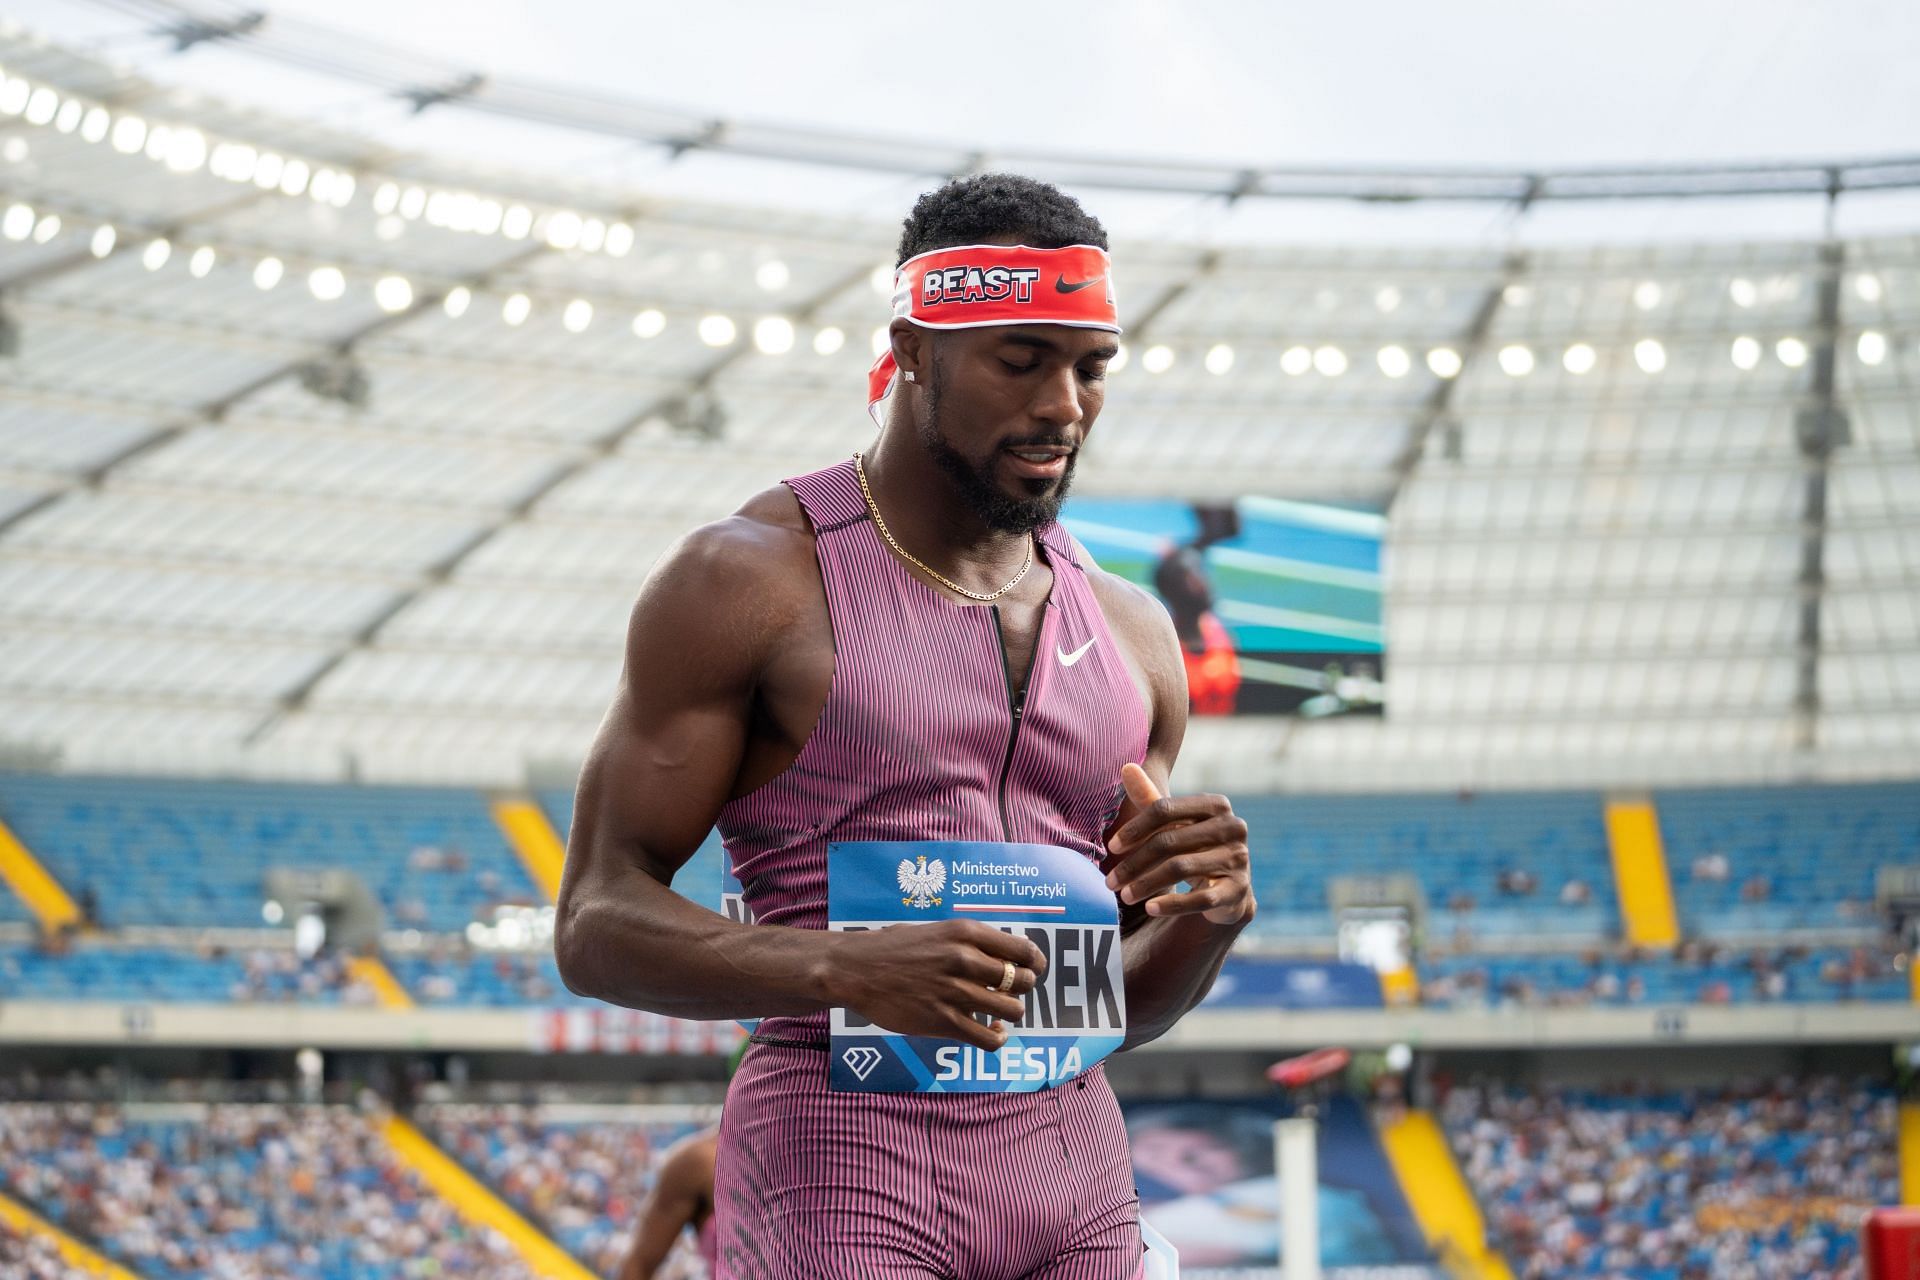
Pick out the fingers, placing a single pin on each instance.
(1164, 812)
(1221, 901)
(1179, 853)
(1001, 946)
(959, 1026)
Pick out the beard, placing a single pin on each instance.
(990, 503)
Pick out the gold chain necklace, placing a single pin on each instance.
(873, 509)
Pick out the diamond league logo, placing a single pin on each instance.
(861, 1060)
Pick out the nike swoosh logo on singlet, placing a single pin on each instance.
(1068, 659)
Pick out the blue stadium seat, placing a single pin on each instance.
(195, 853)
(1816, 849)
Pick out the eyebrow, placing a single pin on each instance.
(1038, 343)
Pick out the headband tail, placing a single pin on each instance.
(880, 380)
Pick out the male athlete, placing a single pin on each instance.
(907, 648)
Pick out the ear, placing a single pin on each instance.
(912, 349)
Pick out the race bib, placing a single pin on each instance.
(1076, 1016)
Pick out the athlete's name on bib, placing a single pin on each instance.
(1022, 1063)
(1074, 997)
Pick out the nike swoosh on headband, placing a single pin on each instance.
(1068, 659)
(1062, 285)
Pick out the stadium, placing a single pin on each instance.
(1541, 543)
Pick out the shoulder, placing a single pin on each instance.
(692, 1158)
(760, 555)
(728, 590)
(1134, 613)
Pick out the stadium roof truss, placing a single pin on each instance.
(339, 475)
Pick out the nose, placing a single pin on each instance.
(1056, 401)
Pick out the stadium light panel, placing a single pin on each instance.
(828, 341)
(458, 299)
(517, 222)
(1650, 355)
(1647, 294)
(1157, 359)
(95, 126)
(1867, 286)
(268, 273)
(1387, 299)
(649, 323)
(42, 105)
(717, 330)
(327, 283)
(577, 316)
(413, 203)
(879, 341)
(515, 310)
(393, 294)
(1445, 362)
(773, 335)
(46, 229)
(1516, 360)
(1791, 351)
(155, 255)
(129, 135)
(772, 276)
(1295, 361)
(880, 279)
(200, 265)
(563, 229)
(1578, 358)
(1219, 359)
(1331, 361)
(1120, 357)
(267, 170)
(1745, 352)
(104, 238)
(386, 198)
(619, 237)
(1744, 292)
(1872, 347)
(67, 119)
(1394, 361)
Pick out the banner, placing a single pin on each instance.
(1055, 897)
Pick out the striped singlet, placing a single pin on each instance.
(927, 735)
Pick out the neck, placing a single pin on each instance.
(931, 520)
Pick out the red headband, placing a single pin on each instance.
(976, 285)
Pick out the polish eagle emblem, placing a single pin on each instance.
(922, 881)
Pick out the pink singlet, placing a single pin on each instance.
(926, 736)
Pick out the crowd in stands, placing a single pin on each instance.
(1698, 972)
(255, 1192)
(30, 1257)
(1749, 1183)
(57, 968)
(582, 1182)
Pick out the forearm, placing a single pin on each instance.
(632, 941)
(1171, 963)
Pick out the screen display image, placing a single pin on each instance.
(1278, 604)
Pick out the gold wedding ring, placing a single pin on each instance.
(1006, 979)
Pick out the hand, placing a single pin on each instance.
(931, 979)
(1198, 839)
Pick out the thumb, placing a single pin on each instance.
(1139, 786)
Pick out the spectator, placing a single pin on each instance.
(1575, 893)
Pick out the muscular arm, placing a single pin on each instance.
(1171, 960)
(680, 1194)
(663, 765)
(712, 636)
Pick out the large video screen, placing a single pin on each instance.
(1277, 604)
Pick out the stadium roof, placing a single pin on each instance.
(321, 457)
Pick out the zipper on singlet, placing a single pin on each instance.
(1016, 703)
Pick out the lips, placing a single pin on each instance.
(1040, 462)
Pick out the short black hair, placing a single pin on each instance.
(982, 206)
